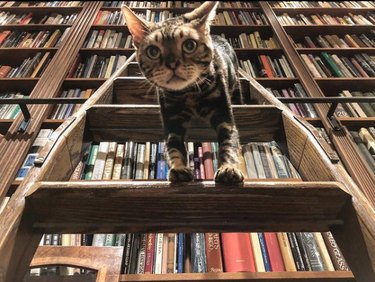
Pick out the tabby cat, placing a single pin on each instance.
(196, 74)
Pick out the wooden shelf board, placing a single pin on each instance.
(344, 79)
(356, 123)
(318, 10)
(27, 27)
(340, 51)
(44, 10)
(332, 276)
(101, 206)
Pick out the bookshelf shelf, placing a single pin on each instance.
(83, 82)
(356, 123)
(341, 276)
(18, 84)
(44, 10)
(319, 10)
(25, 51)
(342, 51)
(28, 27)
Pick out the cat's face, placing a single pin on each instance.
(174, 53)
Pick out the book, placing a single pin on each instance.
(198, 253)
(213, 252)
(237, 252)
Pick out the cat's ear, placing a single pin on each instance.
(203, 15)
(138, 27)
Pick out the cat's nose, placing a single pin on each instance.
(172, 63)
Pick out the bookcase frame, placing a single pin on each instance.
(48, 86)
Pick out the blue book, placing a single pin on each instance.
(180, 252)
(198, 253)
(161, 164)
(263, 248)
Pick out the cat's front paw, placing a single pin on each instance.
(229, 174)
(180, 174)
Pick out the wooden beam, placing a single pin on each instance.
(158, 206)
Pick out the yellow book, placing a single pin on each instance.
(286, 251)
(40, 65)
(53, 39)
(367, 139)
(328, 265)
(258, 257)
(110, 66)
(253, 41)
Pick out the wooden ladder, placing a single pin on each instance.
(47, 203)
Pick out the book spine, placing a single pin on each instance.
(198, 253)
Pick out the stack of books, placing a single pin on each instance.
(7, 18)
(66, 110)
(334, 41)
(365, 140)
(36, 147)
(95, 66)
(325, 19)
(265, 66)
(9, 111)
(332, 65)
(108, 39)
(30, 67)
(303, 110)
(33, 39)
(252, 40)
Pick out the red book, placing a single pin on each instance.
(207, 160)
(274, 253)
(98, 17)
(237, 252)
(26, 19)
(150, 252)
(4, 70)
(266, 65)
(4, 35)
(213, 252)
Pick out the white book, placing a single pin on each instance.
(118, 161)
(98, 240)
(100, 161)
(158, 253)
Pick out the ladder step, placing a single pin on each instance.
(158, 206)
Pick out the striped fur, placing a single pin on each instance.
(196, 74)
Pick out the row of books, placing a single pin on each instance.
(7, 18)
(177, 4)
(240, 18)
(325, 19)
(9, 111)
(201, 252)
(301, 109)
(365, 140)
(332, 65)
(108, 39)
(222, 18)
(252, 40)
(41, 3)
(323, 4)
(66, 110)
(265, 66)
(32, 39)
(356, 109)
(96, 66)
(334, 41)
(37, 145)
(132, 160)
(30, 67)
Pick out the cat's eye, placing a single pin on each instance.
(189, 46)
(153, 52)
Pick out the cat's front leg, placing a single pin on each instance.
(175, 129)
(229, 149)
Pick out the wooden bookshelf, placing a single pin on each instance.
(64, 58)
(289, 34)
